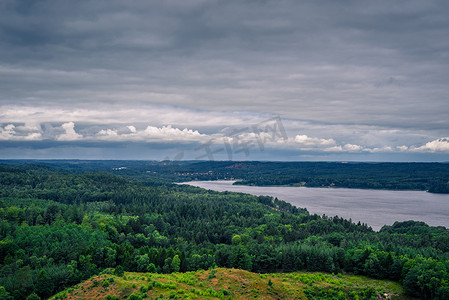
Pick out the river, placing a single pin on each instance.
(373, 207)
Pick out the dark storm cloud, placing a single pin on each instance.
(342, 64)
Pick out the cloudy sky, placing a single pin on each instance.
(259, 80)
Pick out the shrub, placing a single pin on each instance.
(119, 271)
(212, 274)
(134, 296)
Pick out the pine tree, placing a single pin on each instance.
(44, 286)
(176, 263)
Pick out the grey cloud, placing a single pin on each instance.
(345, 65)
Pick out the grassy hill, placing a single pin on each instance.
(232, 284)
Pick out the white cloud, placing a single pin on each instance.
(344, 148)
(438, 145)
(113, 127)
(70, 133)
(321, 144)
(351, 147)
(330, 145)
(34, 136)
(108, 132)
(7, 132)
(16, 133)
(132, 128)
(167, 132)
(304, 140)
(379, 149)
(334, 149)
(151, 133)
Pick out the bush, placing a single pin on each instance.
(212, 274)
(119, 271)
(135, 296)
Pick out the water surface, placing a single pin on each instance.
(373, 207)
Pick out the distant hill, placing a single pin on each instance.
(432, 177)
(232, 284)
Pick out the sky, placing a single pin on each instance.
(225, 80)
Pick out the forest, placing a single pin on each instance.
(62, 225)
(431, 177)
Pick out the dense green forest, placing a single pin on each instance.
(432, 177)
(61, 226)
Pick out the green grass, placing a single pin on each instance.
(233, 284)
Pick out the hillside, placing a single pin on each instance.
(232, 284)
(58, 229)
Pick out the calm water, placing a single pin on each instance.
(373, 207)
